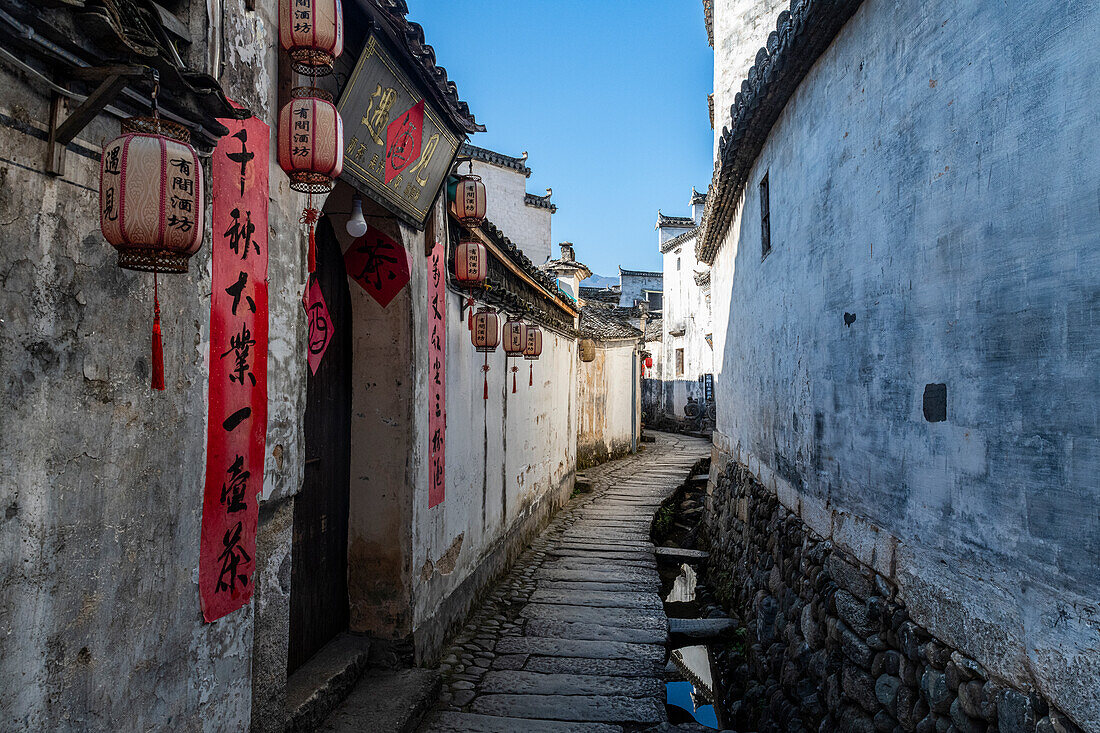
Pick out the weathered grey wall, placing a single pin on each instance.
(934, 221)
(633, 287)
(609, 402)
(100, 477)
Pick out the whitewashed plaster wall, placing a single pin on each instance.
(934, 219)
(686, 308)
(527, 226)
(741, 28)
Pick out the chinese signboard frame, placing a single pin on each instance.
(385, 118)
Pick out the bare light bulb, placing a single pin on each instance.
(357, 225)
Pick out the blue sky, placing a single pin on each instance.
(608, 97)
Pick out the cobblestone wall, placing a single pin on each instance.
(829, 645)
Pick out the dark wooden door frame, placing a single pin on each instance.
(319, 587)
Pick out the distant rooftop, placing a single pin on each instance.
(494, 158)
(680, 222)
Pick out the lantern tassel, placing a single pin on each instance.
(309, 217)
(158, 346)
(485, 370)
(531, 375)
(513, 381)
(470, 314)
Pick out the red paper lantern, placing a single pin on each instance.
(471, 269)
(311, 149)
(515, 341)
(533, 347)
(485, 335)
(151, 205)
(532, 351)
(312, 33)
(469, 204)
(649, 362)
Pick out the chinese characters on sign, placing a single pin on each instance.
(238, 370)
(379, 264)
(398, 147)
(437, 375)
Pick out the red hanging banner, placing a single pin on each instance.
(437, 376)
(237, 424)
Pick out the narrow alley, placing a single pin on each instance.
(573, 637)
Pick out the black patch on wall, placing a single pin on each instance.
(849, 319)
(935, 402)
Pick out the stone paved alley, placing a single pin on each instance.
(573, 637)
(576, 631)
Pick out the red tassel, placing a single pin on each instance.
(531, 376)
(158, 346)
(486, 395)
(309, 217)
(485, 370)
(470, 314)
(312, 250)
(513, 382)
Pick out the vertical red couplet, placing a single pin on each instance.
(237, 424)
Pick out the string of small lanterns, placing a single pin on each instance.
(151, 204)
(311, 133)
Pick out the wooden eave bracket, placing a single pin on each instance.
(112, 80)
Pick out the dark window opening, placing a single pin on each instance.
(677, 263)
(654, 300)
(765, 219)
(679, 362)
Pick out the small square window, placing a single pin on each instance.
(765, 219)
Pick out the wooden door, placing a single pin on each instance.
(319, 577)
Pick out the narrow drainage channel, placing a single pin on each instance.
(700, 632)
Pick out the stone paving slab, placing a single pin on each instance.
(588, 708)
(606, 667)
(635, 619)
(580, 648)
(603, 599)
(451, 722)
(595, 585)
(534, 683)
(593, 632)
(573, 637)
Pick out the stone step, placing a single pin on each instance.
(699, 629)
(625, 617)
(577, 648)
(394, 700)
(593, 632)
(321, 684)
(677, 555)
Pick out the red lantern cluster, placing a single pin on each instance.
(151, 204)
(311, 133)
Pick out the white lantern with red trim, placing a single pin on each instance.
(311, 149)
(312, 34)
(151, 204)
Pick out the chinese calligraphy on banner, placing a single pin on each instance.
(397, 144)
(437, 375)
(237, 423)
